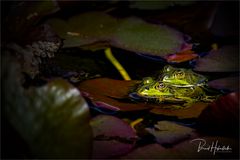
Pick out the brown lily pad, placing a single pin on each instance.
(114, 93)
(111, 93)
(192, 112)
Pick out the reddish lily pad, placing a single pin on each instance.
(181, 57)
(167, 132)
(109, 92)
(229, 83)
(112, 137)
(222, 116)
(223, 60)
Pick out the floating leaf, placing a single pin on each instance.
(229, 84)
(167, 132)
(111, 94)
(85, 29)
(223, 60)
(222, 116)
(181, 57)
(132, 33)
(139, 36)
(192, 112)
(113, 137)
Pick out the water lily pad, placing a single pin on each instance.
(132, 33)
(222, 116)
(167, 132)
(223, 60)
(85, 28)
(192, 112)
(137, 35)
(111, 94)
(112, 137)
(229, 84)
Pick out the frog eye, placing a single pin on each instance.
(147, 80)
(159, 86)
(179, 74)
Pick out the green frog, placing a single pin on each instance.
(181, 77)
(179, 86)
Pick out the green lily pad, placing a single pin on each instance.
(132, 33)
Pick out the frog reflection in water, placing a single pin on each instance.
(175, 86)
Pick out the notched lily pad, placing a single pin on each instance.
(169, 133)
(112, 137)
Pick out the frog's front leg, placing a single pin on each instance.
(209, 98)
(189, 102)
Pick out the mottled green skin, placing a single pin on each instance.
(174, 86)
(181, 77)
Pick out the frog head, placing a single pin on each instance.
(181, 77)
(152, 89)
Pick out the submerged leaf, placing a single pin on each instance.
(223, 60)
(132, 33)
(113, 137)
(167, 132)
